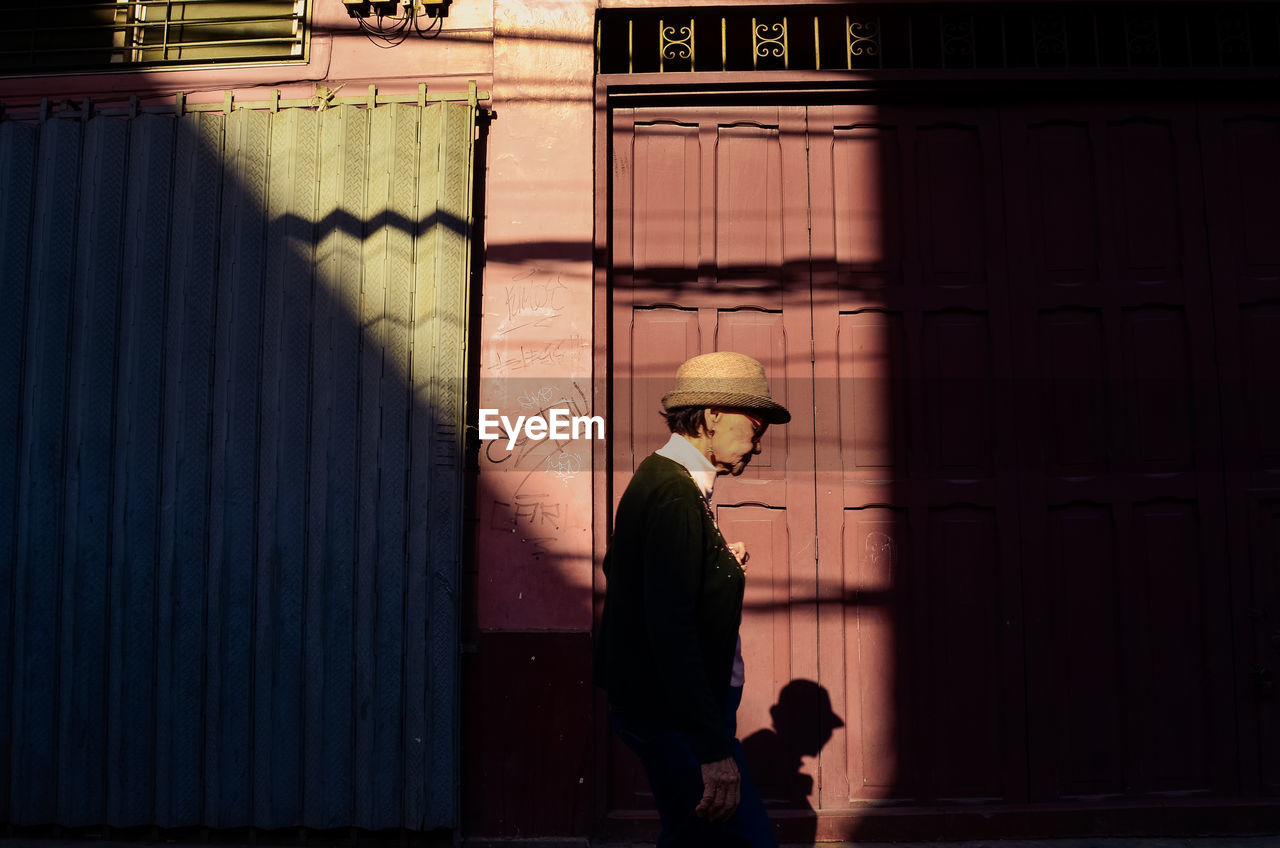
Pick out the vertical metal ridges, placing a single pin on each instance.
(232, 370)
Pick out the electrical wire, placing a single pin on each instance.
(433, 29)
(392, 30)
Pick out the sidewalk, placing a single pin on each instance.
(1089, 842)
(1272, 841)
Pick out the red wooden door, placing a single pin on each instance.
(1119, 456)
(1242, 182)
(996, 527)
(710, 252)
(917, 511)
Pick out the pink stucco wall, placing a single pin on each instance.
(534, 511)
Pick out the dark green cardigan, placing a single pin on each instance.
(673, 602)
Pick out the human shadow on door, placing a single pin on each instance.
(803, 723)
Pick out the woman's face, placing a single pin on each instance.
(733, 437)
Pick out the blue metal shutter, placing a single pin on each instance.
(232, 362)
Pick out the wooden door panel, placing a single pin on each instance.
(1260, 668)
(1259, 383)
(911, 349)
(703, 205)
(878, 748)
(761, 335)
(747, 265)
(873, 415)
(1064, 175)
(1242, 177)
(667, 167)
(1170, 681)
(957, 393)
(1251, 138)
(1083, 577)
(954, 222)
(1158, 415)
(868, 251)
(766, 619)
(1118, 437)
(660, 339)
(1146, 192)
(726, 270)
(737, 288)
(963, 703)
(1070, 406)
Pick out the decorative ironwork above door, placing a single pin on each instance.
(1210, 37)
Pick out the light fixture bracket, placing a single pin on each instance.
(365, 8)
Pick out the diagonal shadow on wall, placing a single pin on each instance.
(235, 384)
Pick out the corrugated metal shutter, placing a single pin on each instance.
(232, 354)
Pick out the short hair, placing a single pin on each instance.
(685, 420)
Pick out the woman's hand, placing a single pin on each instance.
(720, 790)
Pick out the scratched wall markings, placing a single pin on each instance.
(537, 516)
(555, 352)
(533, 298)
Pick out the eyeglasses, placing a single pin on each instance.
(758, 425)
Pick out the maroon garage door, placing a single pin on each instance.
(1024, 528)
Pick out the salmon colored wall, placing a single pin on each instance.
(534, 503)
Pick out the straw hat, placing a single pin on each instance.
(727, 379)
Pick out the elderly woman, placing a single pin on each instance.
(669, 655)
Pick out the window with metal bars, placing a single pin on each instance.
(70, 35)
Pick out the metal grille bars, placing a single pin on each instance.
(979, 36)
(130, 34)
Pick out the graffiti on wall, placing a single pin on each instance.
(533, 361)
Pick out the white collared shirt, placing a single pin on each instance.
(681, 450)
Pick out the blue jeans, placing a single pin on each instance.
(675, 776)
